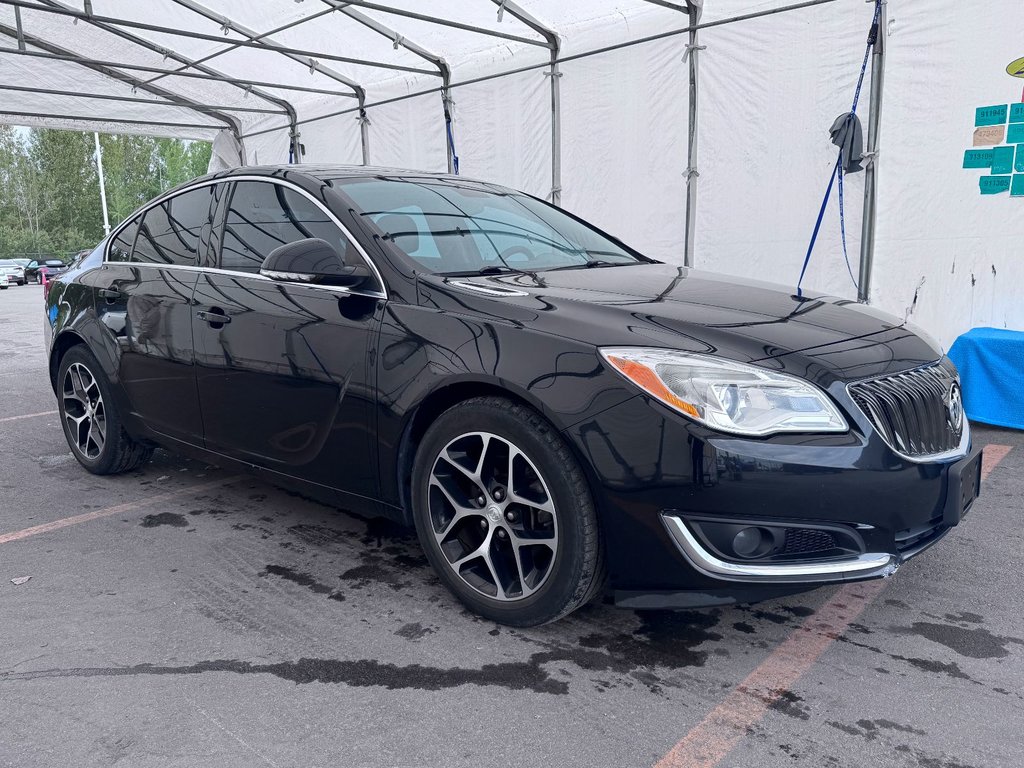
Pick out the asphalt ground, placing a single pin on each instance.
(181, 616)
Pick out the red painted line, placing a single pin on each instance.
(28, 416)
(993, 455)
(714, 737)
(118, 509)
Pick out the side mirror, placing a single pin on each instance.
(312, 261)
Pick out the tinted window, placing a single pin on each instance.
(262, 216)
(121, 246)
(170, 231)
(452, 226)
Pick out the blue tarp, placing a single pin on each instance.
(991, 363)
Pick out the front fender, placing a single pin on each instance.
(466, 356)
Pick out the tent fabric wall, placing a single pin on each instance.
(770, 87)
(948, 258)
(765, 154)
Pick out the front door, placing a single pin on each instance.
(283, 370)
(144, 299)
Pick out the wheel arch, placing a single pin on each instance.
(440, 400)
(65, 340)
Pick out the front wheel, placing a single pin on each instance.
(504, 513)
(90, 419)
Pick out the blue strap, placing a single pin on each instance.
(838, 169)
(817, 224)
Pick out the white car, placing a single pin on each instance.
(11, 272)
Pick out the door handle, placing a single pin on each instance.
(214, 316)
(110, 294)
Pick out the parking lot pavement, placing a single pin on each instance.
(180, 616)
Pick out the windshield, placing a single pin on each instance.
(453, 227)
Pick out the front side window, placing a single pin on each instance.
(170, 231)
(262, 216)
(454, 227)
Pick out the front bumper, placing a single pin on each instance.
(656, 471)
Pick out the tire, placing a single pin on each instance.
(92, 425)
(471, 527)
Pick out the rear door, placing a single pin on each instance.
(284, 373)
(144, 298)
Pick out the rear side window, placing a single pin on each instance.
(121, 246)
(170, 232)
(262, 216)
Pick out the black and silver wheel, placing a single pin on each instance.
(90, 419)
(504, 513)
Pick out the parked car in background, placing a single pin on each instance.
(14, 271)
(50, 267)
(553, 411)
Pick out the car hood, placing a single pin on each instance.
(668, 306)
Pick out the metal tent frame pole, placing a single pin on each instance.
(241, 83)
(293, 117)
(692, 174)
(400, 41)
(174, 99)
(196, 106)
(265, 41)
(551, 40)
(94, 120)
(62, 10)
(867, 240)
(235, 47)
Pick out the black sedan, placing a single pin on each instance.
(555, 413)
(52, 268)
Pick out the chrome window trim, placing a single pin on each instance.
(956, 453)
(251, 276)
(861, 566)
(383, 293)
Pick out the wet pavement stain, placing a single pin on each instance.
(164, 518)
(303, 580)
(977, 643)
(518, 676)
(790, 704)
(375, 569)
(415, 631)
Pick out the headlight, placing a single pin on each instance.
(728, 396)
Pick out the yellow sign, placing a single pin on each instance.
(1016, 68)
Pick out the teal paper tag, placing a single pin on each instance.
(990, 115)
(1019, 165)
(993, 185)
(1017, 189)
(1015, 133)
(1002, 159)
(980, 158)
(1017, 113)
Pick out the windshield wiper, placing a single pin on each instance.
(491, 270)
(590, 264)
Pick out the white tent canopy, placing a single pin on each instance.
(587, 103)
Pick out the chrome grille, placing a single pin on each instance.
(918, 413)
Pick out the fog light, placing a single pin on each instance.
(752, 542)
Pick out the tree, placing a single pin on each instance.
(49, 185)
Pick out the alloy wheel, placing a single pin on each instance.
(492, 516)
(83, 410)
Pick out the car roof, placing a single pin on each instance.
(323, 171)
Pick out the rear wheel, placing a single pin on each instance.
(91, 423)
(504, 513)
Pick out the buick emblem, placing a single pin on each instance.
(955, 407)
